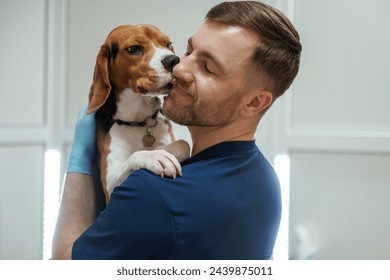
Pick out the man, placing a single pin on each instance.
(227, 203)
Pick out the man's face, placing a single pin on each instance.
(211, 76)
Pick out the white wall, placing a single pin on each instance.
(23, 118)
(336, 128)
(334, 122)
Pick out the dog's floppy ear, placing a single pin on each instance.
(100, 89)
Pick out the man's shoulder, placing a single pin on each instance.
(148, 183)
(142, 186)
(141, 176)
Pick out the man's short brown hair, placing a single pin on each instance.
(277, 55)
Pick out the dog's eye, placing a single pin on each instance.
(169, 45)
(135, 50)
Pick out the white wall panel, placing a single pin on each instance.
(342, 200)
(344, 80)
(22, 95)
(21, 201)
(336, 129)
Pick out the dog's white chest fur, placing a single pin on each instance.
(125, 140)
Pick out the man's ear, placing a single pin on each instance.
(257, 102)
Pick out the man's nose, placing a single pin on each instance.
(184, 70)
(170, 61)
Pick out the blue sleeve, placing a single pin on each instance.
(136, 224)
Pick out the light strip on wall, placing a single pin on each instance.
(282, 168)
(51, 199)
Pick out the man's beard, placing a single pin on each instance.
(202, 113)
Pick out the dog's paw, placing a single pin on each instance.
(159, 162)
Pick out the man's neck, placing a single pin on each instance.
(205, 137)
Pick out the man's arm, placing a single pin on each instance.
(79, 204)
(77, 213)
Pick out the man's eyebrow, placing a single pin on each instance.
(209, 56)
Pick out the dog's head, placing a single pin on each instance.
(138, 57)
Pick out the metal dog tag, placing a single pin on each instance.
(148, 140)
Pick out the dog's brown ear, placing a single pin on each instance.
(100, 88)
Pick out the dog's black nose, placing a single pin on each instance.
(170, 61)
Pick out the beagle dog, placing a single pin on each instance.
(133, 69)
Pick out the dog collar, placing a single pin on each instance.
(150, 121)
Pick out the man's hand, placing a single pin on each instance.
(83, 155)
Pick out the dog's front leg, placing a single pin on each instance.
(179, 148)
(164, 161)
(159, 161)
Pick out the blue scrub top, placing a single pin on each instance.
(227, 205)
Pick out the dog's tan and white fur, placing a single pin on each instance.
(134, 67)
